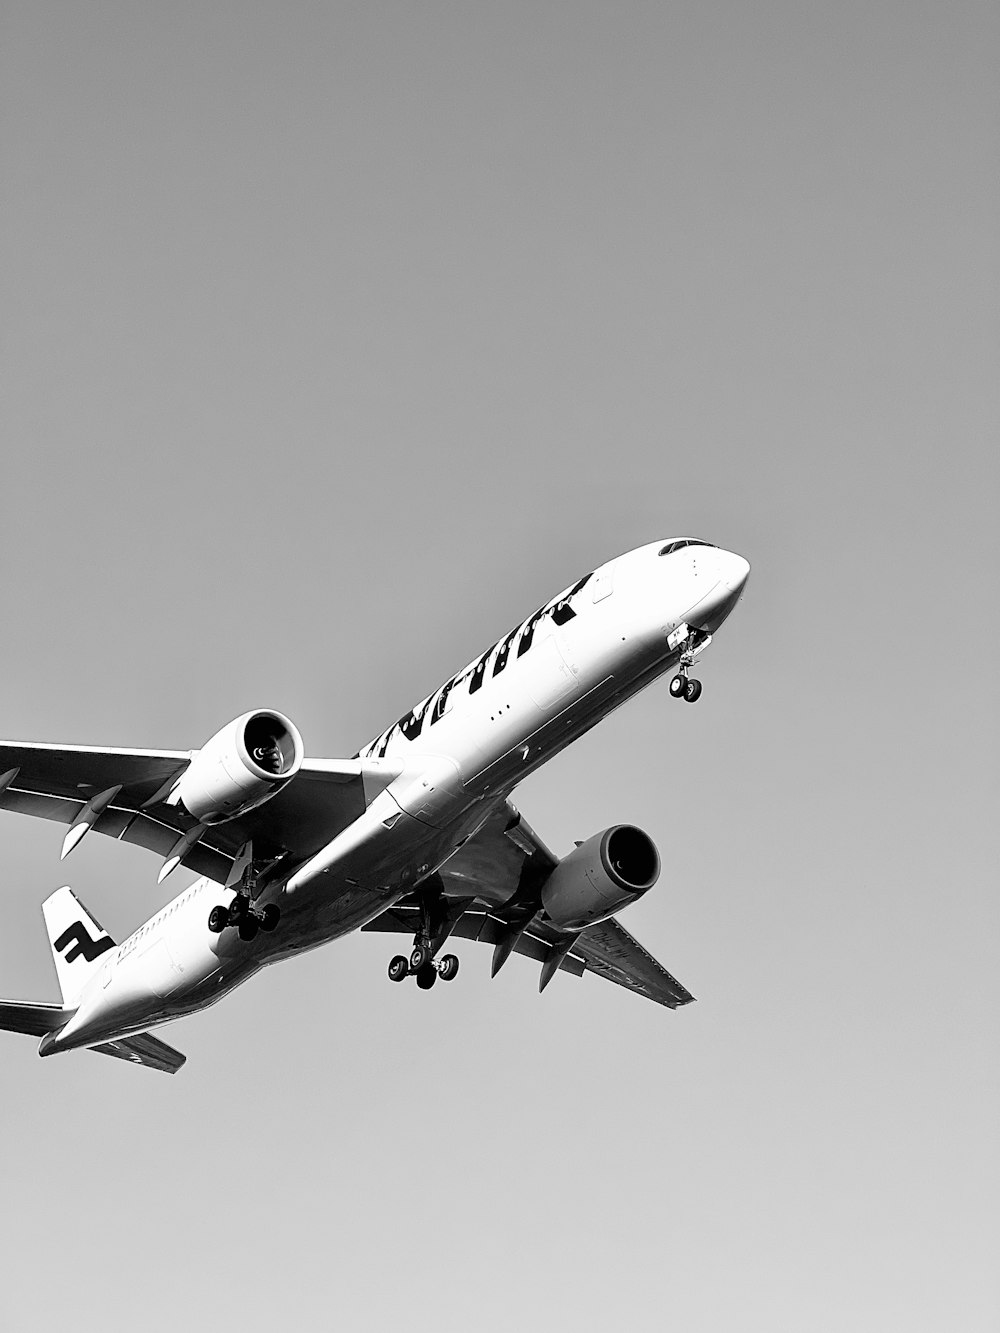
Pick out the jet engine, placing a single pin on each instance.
(599, 878)
(241, 767)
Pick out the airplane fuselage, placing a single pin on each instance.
(445, 764)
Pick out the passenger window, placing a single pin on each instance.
(413, 725)
(529, 633)
(479, 672)
(504, 652)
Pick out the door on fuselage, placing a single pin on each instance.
(604, 582)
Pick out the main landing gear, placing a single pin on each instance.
(438, 917)
(241, 912)
(423, 967)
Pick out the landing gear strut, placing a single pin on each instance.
(438, 917)
(241, 912)
(683, 686)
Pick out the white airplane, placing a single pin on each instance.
(416, 834)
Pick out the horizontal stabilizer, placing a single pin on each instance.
(144, 1049)
(33, 1019)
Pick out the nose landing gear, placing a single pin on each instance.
(692, 691)
(683, 686)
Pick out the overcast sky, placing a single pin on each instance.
(336, 338)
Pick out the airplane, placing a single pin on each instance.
(416, 834)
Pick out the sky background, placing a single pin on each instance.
(336, 338)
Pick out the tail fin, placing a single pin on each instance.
(77, 942)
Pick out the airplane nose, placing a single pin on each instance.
(733, 570)
(711, 611)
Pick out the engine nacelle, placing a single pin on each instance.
(603, 875)
(241, 767)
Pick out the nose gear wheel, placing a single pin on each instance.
(682, 686)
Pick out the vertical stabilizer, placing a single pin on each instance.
(77, 942)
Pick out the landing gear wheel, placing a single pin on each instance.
(692, 691)
(448, 967)
(270, 916)
(238, 909)
(419, 958)
(426, 976)
(399, 968)
(248, 928)
(677, 686)
(218, 920)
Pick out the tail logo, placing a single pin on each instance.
(82, 944)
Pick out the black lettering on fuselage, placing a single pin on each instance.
(82, 944)
(442, 703)
(412, 724)
(503, 652)
(529, 631)
(479, 671)
(380, 747)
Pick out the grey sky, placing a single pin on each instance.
(336, 338)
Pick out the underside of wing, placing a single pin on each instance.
(609, 951)
(498, 874)
(65, 783)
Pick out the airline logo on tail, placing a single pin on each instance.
(74, 935)
(83, 945)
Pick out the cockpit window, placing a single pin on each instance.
(680, 543)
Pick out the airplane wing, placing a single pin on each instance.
(507, 860)
(56, 782)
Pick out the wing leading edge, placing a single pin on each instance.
(56, 782)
